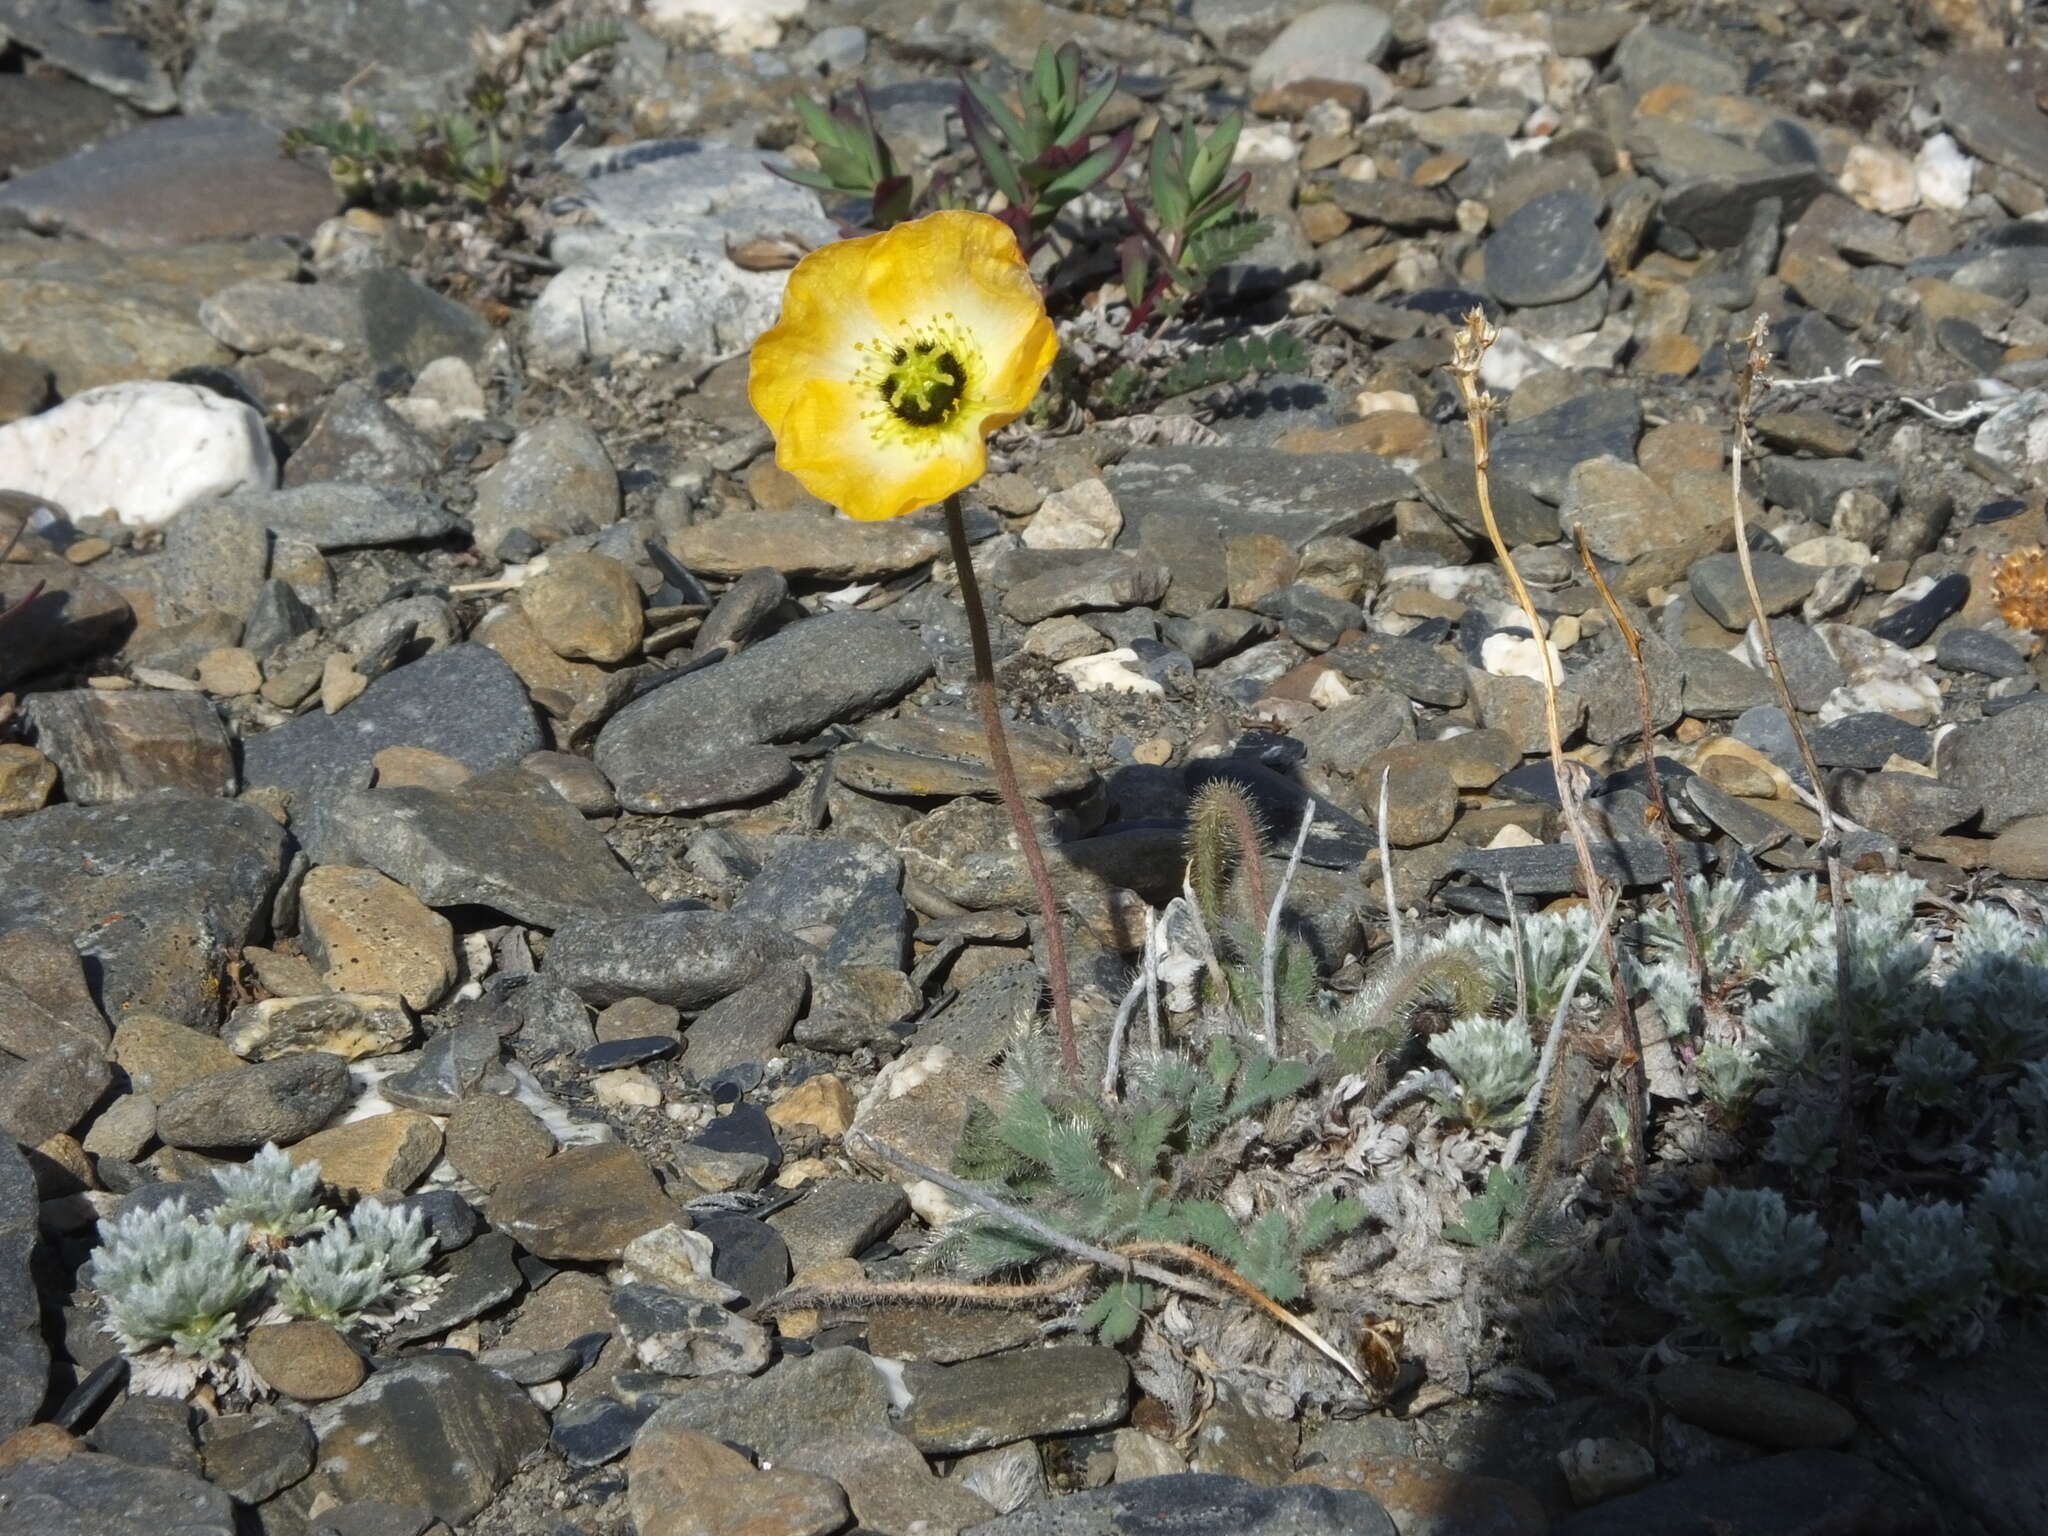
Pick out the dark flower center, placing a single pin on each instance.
(924, 384)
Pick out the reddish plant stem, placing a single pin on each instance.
(1012, 794)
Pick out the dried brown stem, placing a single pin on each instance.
(1755, 365)
(1694, 957)
(1012, 795)
(1131, 1259)
(1468, 348)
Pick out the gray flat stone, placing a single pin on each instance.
(1294, 496)
(24, 1357)
(94, 1495)
(159, 185)
(1185, 1503)
(157, 894)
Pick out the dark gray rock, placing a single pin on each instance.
(741, 610)
(505, 841)
(479, 1277)
(1012, 1396)
(1546, 251)
(1207, 638)
(748, 1255)
(1811, 487)
(1999, 761)
(1191, 547)
(116, 746)
(1986, 101)
(361, 440)
(284, 1101)
(555, 479)
(1538, 452)
(278, 615)
(1046, 583)
(157, 894)
(1905, 806)
(1750, 825)
(1972, 1430)
(750, 1024)
(1294, 496)
(1614, 706)
(287, 62)
(73, 615)
(443, 1433)
(1183, 1503)
(92, 1495)
(446, 1070)
(1653, 55)
(464, 702)
(798, 1402)
(1717, 210)
(1311, 617)
(24, 1357)
(836, 667)
(1718, 587)
(1421, 671)
(408, 325)
(816, 883)
(1552, 869)
(215, 559)
(1962, 649)
(1798, 1493)
(679, 1335)
(336, 516)
(254, 1456)
(1447, 485)
(1719, 687)
(51, 1092)
(1869, 740)
(838, 1219)
(1912, 624)
(686, 959)
(1811, 671)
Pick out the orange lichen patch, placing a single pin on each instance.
(2019, 588)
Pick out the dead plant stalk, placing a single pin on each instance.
(1468, 351)
(1660, 809)
(1756, 364)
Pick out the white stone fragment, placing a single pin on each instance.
(144, 451)
(1882, 180)
(1112, 671)
(731, 27)
(1506, 655)
(1944, 173)
(1083, 516)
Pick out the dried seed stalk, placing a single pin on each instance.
(1756, 364)
(1468, 350)
(1694, 957)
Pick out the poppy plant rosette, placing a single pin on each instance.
(896, 356)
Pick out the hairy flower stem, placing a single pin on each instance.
(1755, 365)
(1694, 957)
(1468, 349)
(1012, 794)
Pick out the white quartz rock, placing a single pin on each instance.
(144, 451)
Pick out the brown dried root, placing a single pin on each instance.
(1468, 350)
(1755, 365)
(1143, 1261)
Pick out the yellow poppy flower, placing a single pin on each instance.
(896, 356)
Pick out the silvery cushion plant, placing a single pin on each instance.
(182, 1288)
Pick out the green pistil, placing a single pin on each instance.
(924, 384)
